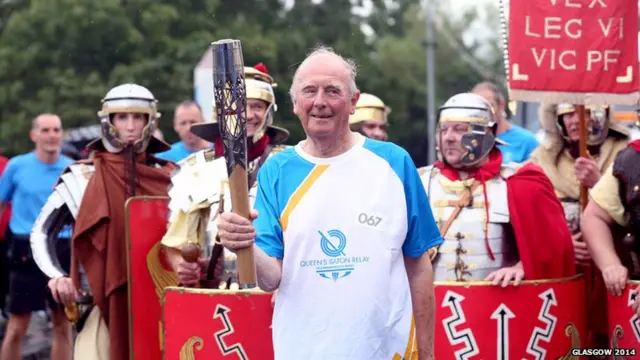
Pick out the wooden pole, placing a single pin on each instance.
(584, 197)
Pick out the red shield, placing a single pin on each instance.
(149, 274)
(214, 324)
(624, 324)
(536, 320)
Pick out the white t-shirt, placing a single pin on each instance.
(341, 227)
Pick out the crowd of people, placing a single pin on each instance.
(494, 190)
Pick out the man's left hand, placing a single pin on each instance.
(505, 275)
(587, 172)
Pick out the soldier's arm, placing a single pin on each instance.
(7, 185)
(603, 211)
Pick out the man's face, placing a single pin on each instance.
(572, 124)
(451, 142)
(322, 99)
(491, 98)
(47, 133)
(129, 126)
(256, 111)
(186, 116)
(375, 129)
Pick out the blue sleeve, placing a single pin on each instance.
(422, 229)
(533, 145)
(7, 185)
(267, 223)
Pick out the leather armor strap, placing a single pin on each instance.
(464, 201)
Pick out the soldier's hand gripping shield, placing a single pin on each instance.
(215, 323)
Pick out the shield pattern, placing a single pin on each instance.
(149, 273)
(217, 324)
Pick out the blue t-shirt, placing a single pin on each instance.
(27, 183)
(342, 227)
(521, 143)
(177, 152)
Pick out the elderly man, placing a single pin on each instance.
(26, 183)
(187, 113)
(370, 118)
(500, 222)
(516, 143)
(342, 221)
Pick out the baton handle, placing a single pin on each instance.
(239, 191)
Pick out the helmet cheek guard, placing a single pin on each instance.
(479, 142)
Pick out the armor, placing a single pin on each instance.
(201, 184)
(369, 107)
(124, 99)
(59, 211)
(478, 113)
(598, 124)
(464, 256)
(625, 169)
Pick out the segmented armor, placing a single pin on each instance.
(464, 255)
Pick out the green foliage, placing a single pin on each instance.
(62, 56)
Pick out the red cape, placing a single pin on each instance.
(635, 144)
(543, 238)
(537, 217)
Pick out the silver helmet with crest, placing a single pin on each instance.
(479, 114)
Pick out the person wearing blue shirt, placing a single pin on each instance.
(186, 114)
(26, 183)
(520, 143)
(342, 221)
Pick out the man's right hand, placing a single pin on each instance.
(190, 273)
(581, 250)
(615, 278)
(63, 290)
(236, 232)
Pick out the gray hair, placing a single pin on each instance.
(319, 50)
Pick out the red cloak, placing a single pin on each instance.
(537, 217)
(635, 144)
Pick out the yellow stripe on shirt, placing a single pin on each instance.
(299, 193)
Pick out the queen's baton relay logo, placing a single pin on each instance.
(338, 264)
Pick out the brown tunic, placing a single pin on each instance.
(98, 242)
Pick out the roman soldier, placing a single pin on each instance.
(370, 117)
(559, 157)
(91, 196)
(499, 222)
(611, 221)
(200, 190)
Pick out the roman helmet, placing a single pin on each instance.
(259, 85)
(599, 123)
(131, 98)
(369, 107)
(479, 114)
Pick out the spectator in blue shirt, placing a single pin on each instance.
(520, 142)
(26, 183)
(187, 113)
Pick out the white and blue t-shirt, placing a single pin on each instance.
(341, 227)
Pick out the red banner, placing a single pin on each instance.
(576, 51)
(149, 274)
(624, 324)
(536, 320)
(215, 324)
